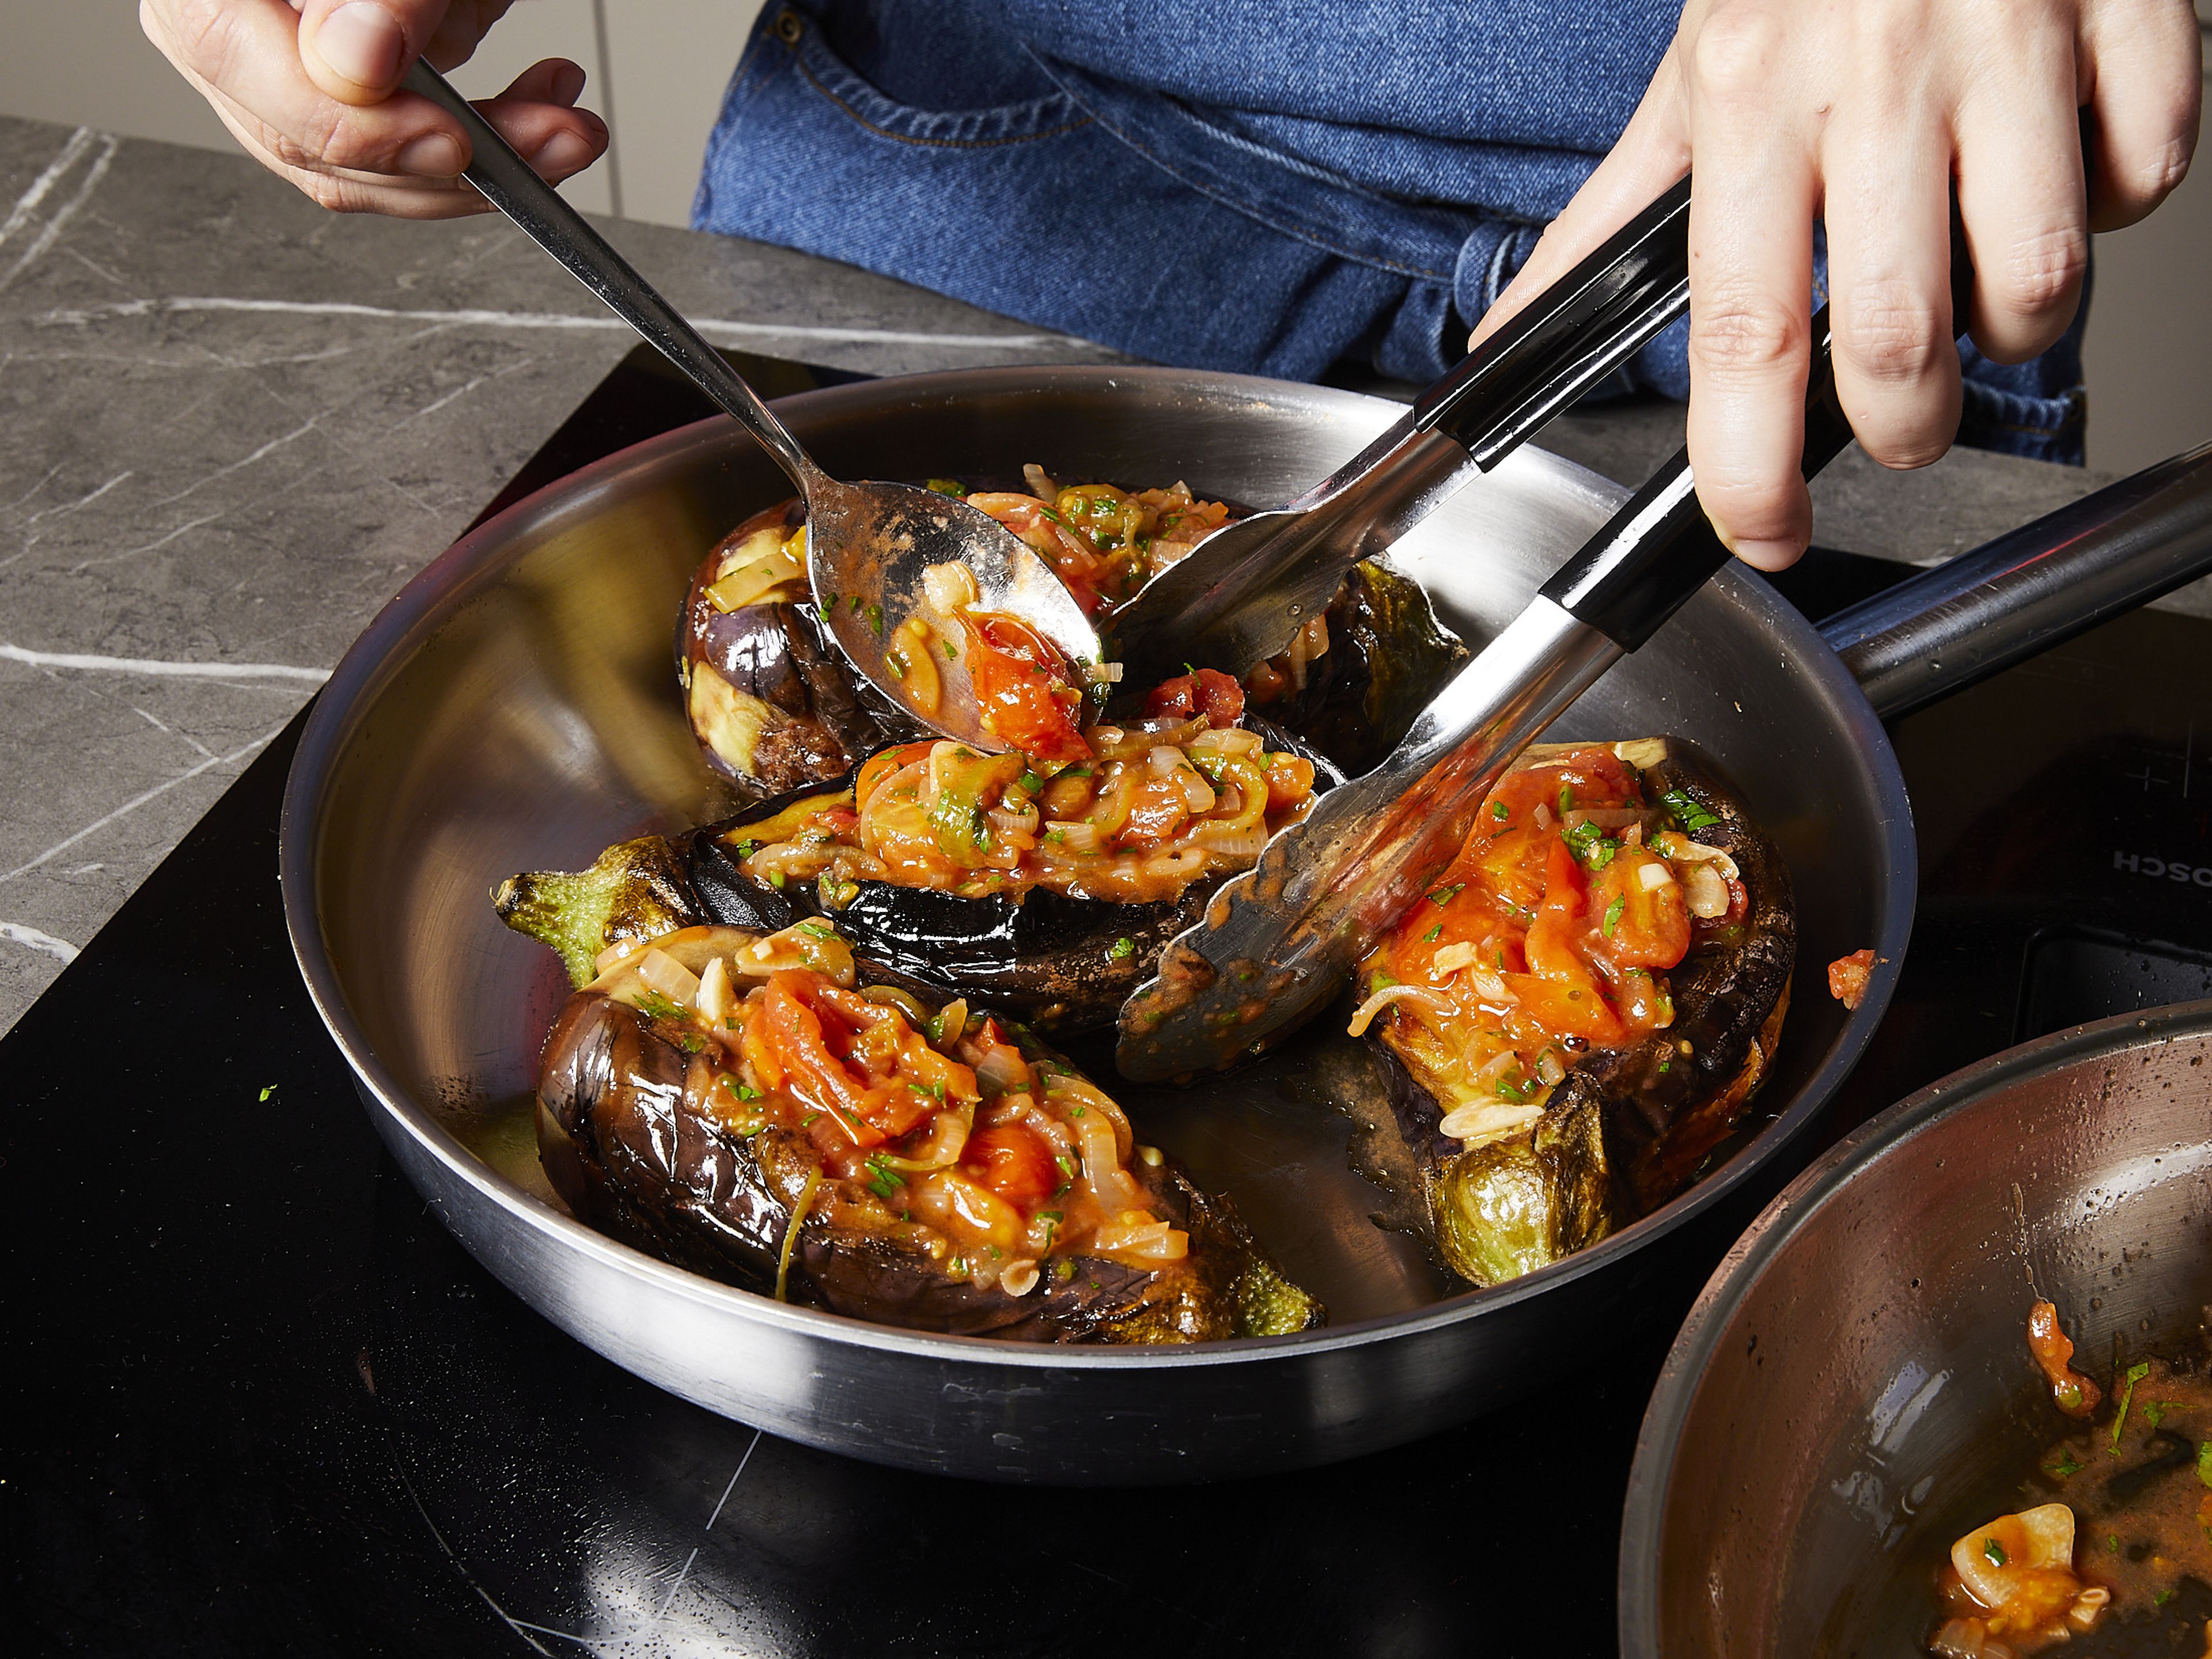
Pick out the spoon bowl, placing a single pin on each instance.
(867, 544)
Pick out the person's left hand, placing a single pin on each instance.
(1864, 113)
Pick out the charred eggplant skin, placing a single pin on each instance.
(630, 1155)
(1627, 1128)
(770, 698)
(1061, 963)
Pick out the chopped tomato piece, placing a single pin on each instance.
(1012, 1162)
(1848, 976)
(1022, 686)
(1290, 780)
(1560, 990)
(796, 1039)
(1643, 919)
(882, 766)
(1208, 691)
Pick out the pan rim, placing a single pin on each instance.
(475, 562)
(1819, 1184)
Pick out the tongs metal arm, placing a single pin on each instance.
(1241, 597)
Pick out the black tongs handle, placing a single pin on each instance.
(1660, 548)
(1579, 330)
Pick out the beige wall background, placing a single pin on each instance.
(657, 68)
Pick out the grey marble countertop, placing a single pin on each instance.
(231, 426)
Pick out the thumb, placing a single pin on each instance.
(355, 51)
(1653, 154)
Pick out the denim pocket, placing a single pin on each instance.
(867, 106)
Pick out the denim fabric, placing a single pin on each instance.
(1223, 182)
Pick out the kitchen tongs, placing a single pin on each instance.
(1240, 599)
(1279, 941)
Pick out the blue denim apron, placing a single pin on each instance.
(1225, 183)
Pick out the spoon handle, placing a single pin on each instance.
(548, 220)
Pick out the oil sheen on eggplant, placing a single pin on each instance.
(1626, 1128)
(770, 698)
(635, 1141)
(1058, 962)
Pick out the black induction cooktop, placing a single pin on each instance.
(257, 1402)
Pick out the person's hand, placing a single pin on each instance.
(1863, 112)
(308, 87)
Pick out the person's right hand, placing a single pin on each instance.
(308, 87)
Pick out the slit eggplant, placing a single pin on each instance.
(1625, 1127)
(645, 1133)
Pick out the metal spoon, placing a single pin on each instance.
(867, 544)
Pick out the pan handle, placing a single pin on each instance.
(2008, 600)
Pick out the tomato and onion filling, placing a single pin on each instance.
(1550, 935)
(941, 1129)
(1163, 802)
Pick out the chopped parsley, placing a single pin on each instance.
(1687, 812)
(653, 1006)
(1123, 949)
(1379, 981)
(2064, 1466)
(691, 1043)
(1067, 1161)
(1433, 934)
(268, 1091)
(1593, 848)
(2161, 1598)
(1500, 810)
(1446, 895)
(775, 879)
(815, 930)
(2135, 1374)
(1566, 798)
(876, 620)
(951, 651)
(1995, 1551)
(883, 1180)
(2204, 1463)
(1613, 914)
(745, 849)
(952, 487)
(807, 1122)
(2154, 1411)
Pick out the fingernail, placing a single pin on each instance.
(364, 43)
(434, 155)
(1767, 555)
(564, 153)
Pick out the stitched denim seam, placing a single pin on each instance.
(1297, 231)
(859, 83)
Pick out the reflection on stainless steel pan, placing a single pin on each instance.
(514, 711)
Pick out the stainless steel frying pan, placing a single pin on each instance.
(514, 708)
(1853, 1389)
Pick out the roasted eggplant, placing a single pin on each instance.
(770, 698)
(727, 1101)
(960, 873)
(1582, 1007)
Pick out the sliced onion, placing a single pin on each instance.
(1229, 842)
(1653, 875)
(714, 999)
(1040, 481)
(1134, 1233)
(1426, 996)
(1453, 958)
(671, 978)
(948, 1139)
(1705, 892)
(1484, 1119)
(1683, 850)
(1550, 1070)
(1019, 1277)
(1959, 1639)
(950, 589)
(1543, 816)
(1002, 1071)
(1230, 740)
